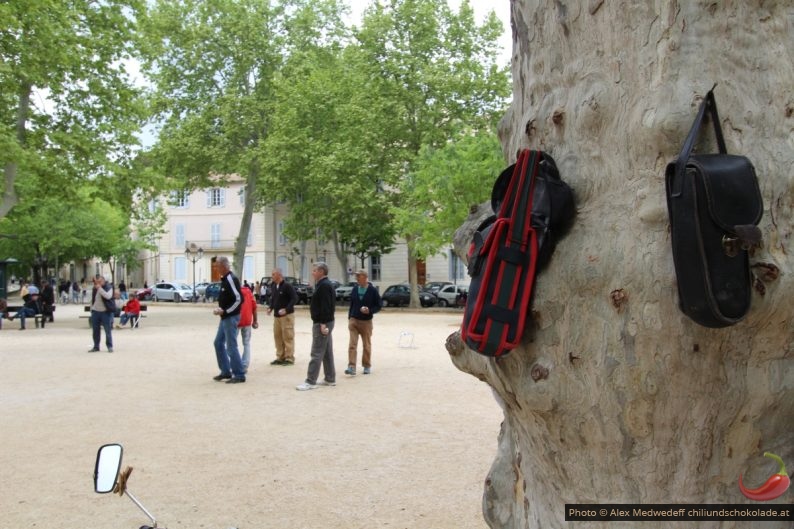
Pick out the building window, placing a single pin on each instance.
(250, 240)
(215, 236)
(282, 262)
(180, 269)
(216, 197)
(180, 199)
(242, 196)
(248, 267)
(374, 264)
(282, 239)
(457, 268)
(180, 235)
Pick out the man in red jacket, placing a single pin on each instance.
(247, 321)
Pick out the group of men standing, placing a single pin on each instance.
(234, 304)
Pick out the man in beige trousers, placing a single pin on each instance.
(364, 302)
(282, 305)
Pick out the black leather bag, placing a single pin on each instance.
(715, 206)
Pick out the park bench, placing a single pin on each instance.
(135, 321)
(38, 317)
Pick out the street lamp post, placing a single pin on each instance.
(194, 256)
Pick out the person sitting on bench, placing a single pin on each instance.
(31, 308)
(130, 312)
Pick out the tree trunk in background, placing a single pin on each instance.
(241, 243)
(630, 401)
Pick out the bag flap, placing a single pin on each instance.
(732, 191)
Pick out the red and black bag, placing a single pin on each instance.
(532, 205)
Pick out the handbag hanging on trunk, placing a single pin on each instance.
(715, 206)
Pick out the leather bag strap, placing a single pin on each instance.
(709, 103)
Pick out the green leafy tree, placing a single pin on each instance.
(49, 230)
(446, 183)
(68, 109)
(438, 71)
(328, 154)
(213, 65)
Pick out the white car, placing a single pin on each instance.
(343, 292)
(448, 294)
(167, 291)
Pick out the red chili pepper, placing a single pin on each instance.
(774, 487)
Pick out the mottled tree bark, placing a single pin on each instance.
(615, 395)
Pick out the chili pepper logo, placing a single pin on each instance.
(774, 487)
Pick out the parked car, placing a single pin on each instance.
(448, 295)
(303, 290)
(397, 295)
(144, 294)
(201, 288)
(343, 291)
(434, 286)
(168, 291)
(212, 291)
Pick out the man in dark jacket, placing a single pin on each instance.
(282, 305)
(364, 302)
(47, 301)
(230, 301)
(322, 309)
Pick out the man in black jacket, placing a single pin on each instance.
(230, 301)
(282, 305)
(322, 309)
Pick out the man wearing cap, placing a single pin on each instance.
(364, 302)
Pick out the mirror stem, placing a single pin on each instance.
(141, 507)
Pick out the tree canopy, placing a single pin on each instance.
(68, 108)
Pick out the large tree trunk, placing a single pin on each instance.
(623, 398)
(241, 243)
(10, 169)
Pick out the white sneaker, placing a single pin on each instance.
(305, 386)
(326, 383)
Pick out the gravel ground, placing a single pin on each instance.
(408, 446)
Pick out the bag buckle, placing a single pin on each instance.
(730, 245)
(748, 237)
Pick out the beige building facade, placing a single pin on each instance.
(210, 219)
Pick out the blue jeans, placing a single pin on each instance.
(101, 320)
(245, 332)
(23, 313)
(226, 350)
(127, 317)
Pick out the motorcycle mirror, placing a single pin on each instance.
(108, 464)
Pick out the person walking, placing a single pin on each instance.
(282, 305)
(102, 310)
(230, 302)
(322, 306)
(75, 292)
(364, 302)
(248, 321)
